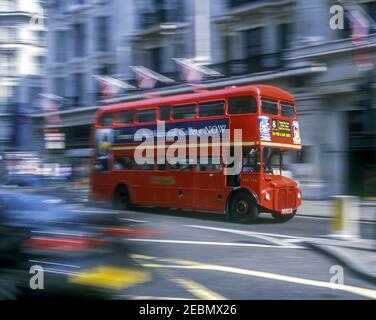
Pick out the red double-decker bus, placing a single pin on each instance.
(269, 127)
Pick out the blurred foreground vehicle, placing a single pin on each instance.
(22, 181)
(81, 255)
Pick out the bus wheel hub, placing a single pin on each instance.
(242, 207)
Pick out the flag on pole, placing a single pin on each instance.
(51, 106)
(359, 36)
(147, 79)
(193, 72)
(110, 87)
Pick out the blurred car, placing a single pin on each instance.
(83, 255)
(22, 180)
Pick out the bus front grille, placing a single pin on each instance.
(286, 199)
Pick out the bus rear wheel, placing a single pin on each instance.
(243, 208)
(281, 218)
(121, 198)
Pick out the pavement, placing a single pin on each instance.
(358, 255)
(324, 208)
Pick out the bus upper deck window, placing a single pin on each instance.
(126, 117)
(288, 110)
(269, 107)
(185, 112)
(147, 116)
(212, 109)
(106, 120)
(242, 105)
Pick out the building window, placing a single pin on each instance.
(79, 40)
(34, 97)
(236, 3)
(253, 49)
(284, 36)
(8, 5)
(60, 46)
(8, 34)
(78, 86)
(156, 59)
(103, 33)
(59, 87)
(8, 63)
(371, 10)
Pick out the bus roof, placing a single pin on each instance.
(260, 89)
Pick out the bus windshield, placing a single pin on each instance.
(272, 159)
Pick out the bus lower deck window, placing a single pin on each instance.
(242, 105)
(123, 163)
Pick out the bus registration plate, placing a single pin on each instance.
(287, 211)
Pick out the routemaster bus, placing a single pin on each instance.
(266, 122)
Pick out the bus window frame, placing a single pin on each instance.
(268, 99)
(103, 115)
(293, 104)
(195, 103)
(211, 101)
(137, 119)
(159, 113)
(255, 96)
(118, 116)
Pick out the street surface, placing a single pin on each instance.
(202, 256)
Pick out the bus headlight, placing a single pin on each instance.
(299, 195)
(267, 196)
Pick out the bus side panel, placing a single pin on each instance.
(181, 194)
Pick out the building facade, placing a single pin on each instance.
(286, 43)
(22, 60)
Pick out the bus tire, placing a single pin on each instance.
(243, 208)
(281, 218)
(121, 198)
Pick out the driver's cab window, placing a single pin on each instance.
(251, 160)
(272, 159)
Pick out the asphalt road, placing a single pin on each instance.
(202, 256)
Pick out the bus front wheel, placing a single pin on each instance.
(243, 208)
(121, 198)
(283, 217)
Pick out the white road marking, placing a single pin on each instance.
(95, 211)
(55, 264)
(228, 244)
(263, 236)
(185, 264)
(129, 297)
(134, 220)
